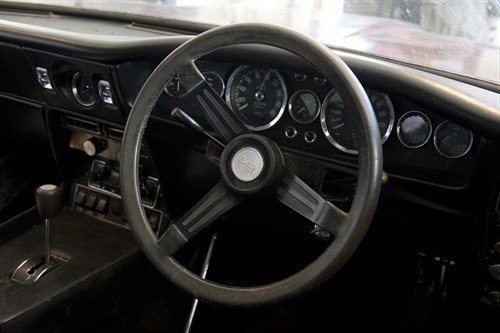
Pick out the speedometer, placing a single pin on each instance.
(257, 95)
(337, 125)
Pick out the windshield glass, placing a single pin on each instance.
(459, 36)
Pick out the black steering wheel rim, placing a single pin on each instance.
(364, 204)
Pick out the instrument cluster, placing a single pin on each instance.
(289, 106)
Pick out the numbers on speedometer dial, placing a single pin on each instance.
(257, 95)
(338, 127)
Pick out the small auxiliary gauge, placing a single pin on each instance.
(452, 140)
(414, 129)
(83, 90)
(304, 106)
(215, 81)
(174, 87)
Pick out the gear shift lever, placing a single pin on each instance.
(48, 202)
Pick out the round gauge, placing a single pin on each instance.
(82, 89)
(174, 87)
(215, 81)
(257, 95)
(414, 129)
(338, 127)
(452, 140)
(304, 106)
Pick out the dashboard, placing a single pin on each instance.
(260, 98)
(304, 113)
(431, 126)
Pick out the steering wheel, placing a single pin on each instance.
(251, 164)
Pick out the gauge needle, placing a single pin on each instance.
(305, 102)
(265, 79)
(338, 126)
(301, 110)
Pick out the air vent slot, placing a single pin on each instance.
(115, 133)
(84, 125)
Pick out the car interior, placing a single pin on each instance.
(173, 176)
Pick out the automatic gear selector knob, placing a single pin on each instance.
(48, 200)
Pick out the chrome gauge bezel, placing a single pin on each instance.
(392, 117)
(76, 94)
(229, 86)
(168, 92)
(337, 145)
(436, 143)
(290, 105)
(398, 128)
(219, 78)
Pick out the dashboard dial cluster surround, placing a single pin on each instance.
(259, 97)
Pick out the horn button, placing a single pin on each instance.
(250, 163)
(247, 164)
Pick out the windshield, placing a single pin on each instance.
(453, 35)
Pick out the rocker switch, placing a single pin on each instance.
(102, 204)
(91, 200)
(80, 196)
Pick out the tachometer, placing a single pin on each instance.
(257, 95)
(337, 125)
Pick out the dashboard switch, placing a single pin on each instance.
(43, 78)
(91, 200)
(117, 208)
(290, 132)
(102, 204)
(80, 196)
(98, 172)
(310, 136)
(104, 90)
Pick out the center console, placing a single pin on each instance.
(95, 188)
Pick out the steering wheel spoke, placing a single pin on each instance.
(296, 194)
(207, 210)
(203, 98)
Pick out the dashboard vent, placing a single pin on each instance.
(115, 133)
(84, 125)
